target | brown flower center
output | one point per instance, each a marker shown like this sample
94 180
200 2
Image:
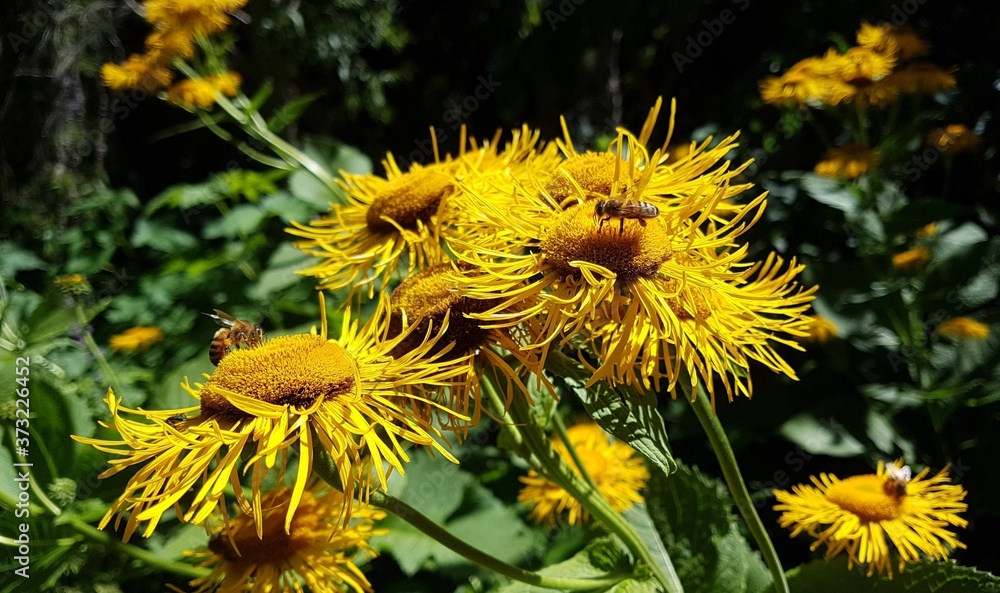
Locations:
289 370
594 172
409 199
425 298
577 234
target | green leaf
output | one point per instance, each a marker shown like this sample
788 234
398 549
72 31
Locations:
917 215
289 112
599 558
170 395
638 517
631 417
280 273
241 220
820 576
52 318
821 439
497 531
830 192
14 259
434 486
161 236
692 514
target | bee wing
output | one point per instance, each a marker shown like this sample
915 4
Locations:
222 318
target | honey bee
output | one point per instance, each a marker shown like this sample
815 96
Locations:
607 209
234 333
897 479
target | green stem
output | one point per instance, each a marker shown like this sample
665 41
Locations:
737 487
95 351
573 453
326 469
554 468
415 518
253 124
180 568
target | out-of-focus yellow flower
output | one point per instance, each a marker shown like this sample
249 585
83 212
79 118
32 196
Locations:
926 231
200 92
954 139
75 284
864 64
888 39
848 162
877 518
313 550
911 260
921 77
201 17
821 330
616 469
964 328
136 338
138 72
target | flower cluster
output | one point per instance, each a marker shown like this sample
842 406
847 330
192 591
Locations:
629 254
872 74
178 27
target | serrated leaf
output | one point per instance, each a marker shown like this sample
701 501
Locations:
820 576
631 417
289 112
692 515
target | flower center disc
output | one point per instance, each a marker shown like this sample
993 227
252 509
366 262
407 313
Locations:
865 497
577 235
426 297
593 171
276 545
289 370
408 199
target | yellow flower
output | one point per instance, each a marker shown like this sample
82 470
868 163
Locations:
813 81
653 298
200 92
300 393
888 39
315 551
911 260
865 64
614 467
171 43
430 299
199 17
401 216
138 72
849 162
821 330
965 328
876 518
75 284
926 231
954 139
136 338
921 77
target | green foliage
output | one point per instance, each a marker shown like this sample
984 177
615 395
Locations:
832 576
692 514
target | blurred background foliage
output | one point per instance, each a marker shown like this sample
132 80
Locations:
166 225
